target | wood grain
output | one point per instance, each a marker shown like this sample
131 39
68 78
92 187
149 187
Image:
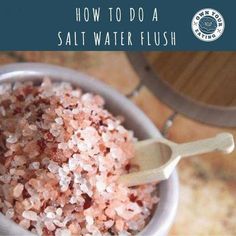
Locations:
208 77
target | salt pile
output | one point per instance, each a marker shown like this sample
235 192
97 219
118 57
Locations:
61 153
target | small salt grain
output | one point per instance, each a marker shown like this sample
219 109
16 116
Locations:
2 169
62 146
12 139
33 127
74 124
10 213
59 121
49 225
5 87
89 220
59 211
111 125
55 130
34 165
66 168
12 171
18 189
7 204
50 215
2 111
30 215
58 223
101 186
73 163
77 178
109 223
39 228
105 137
76 93
5 178
75 111
53 167
45 161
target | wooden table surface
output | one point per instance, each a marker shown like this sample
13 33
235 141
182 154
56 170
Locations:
207 183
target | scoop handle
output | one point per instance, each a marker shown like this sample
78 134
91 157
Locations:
223 142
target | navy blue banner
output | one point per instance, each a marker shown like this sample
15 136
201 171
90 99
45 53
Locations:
130 25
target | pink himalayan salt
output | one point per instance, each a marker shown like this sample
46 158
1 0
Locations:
63 155
17 191
30 215
120 225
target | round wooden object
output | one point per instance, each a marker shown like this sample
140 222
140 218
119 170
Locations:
201 85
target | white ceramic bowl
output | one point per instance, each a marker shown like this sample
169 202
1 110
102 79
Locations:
135 119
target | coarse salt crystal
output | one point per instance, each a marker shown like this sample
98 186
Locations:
55 130
105 137
109 223
5 87
59 211
73 163
5 178
34 165
33 127
39 228
111 125
17 191
12 139
50 226
30 215
53 167
62 146
10 213
49 209
86 167
58 223
45 161
101 186
75 111
73 200
74 124
50 215
59 121
62 173
66 168
3 169
64 183
89 220
8 204
77 178
2 111
84 188
76 93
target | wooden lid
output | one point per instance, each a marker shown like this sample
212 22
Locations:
201 85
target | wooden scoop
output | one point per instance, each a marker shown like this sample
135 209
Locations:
157 158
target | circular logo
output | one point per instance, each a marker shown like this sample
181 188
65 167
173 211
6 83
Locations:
208 24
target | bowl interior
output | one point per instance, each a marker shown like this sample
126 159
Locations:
135 120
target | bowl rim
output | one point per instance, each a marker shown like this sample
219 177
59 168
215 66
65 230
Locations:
163 216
